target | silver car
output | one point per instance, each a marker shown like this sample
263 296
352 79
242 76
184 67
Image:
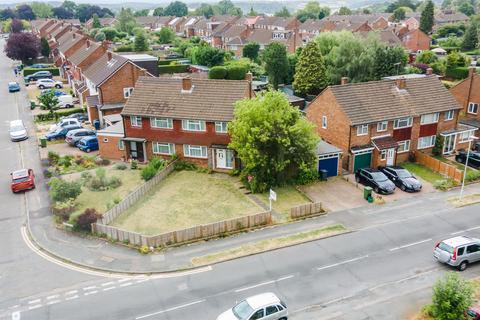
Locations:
458 252
17 130
74 136
265 306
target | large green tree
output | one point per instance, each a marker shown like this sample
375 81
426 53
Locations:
470 40
427 17
452 296
251 50
50 102
206 55
165 35
96 22
310 72
42 9
44 47
159 11
388 61
284 13
126 21
399 14
141 43
344 11
176 8
275 143
276 63
205 10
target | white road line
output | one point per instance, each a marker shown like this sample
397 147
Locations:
123 280
285 278
90 292
474 228
109 288
171 309
410 244
71 292
107 283
35 307
71 297
53 302
255 286
142 280
458 232
126 284
14 307
34 301
90 288
342 262
53 296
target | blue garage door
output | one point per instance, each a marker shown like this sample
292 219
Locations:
330 164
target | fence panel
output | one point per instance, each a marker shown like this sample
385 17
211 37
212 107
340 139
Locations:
438 166
306 210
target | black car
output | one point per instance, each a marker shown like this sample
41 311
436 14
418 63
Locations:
402 178
473 158
38 75
375 179
82 117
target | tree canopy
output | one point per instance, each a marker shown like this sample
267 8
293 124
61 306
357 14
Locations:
452 296
126 21
427 17
141 43
276 63
22 46
176 8
283 13
25 12
165 35
251 51
310 71
42 10
312 10
470 40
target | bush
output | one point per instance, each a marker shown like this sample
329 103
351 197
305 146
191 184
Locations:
148 173
218 72
134 164
144 249
306 175
63 209
236 72
53 157
65 161
58 114
444 184
85 220
100 182
166 62
185 165
61 190
157 163
121 166
472 175
452 296
181 68
125 48
457 73
54 71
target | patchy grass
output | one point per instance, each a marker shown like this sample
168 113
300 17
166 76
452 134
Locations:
466 201
186 199
269 244
423 172
287 197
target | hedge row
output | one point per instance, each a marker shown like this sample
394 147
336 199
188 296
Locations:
232 72
53 70
58 113
458 73
165 62
180 68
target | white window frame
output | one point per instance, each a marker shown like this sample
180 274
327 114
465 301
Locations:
324 122
465 136
135 122
432 142
429 118
221 127
127 92
121 145
383 155
472 108
156 148
396 123
405 144
382 126
362 130
161 123
187 123
449 115
187 151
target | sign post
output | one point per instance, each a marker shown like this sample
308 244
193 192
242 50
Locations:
273 196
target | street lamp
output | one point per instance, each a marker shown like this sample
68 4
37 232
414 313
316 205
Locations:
470 139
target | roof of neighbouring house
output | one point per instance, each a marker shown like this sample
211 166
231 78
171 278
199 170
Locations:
375 101
113 130
139 57
68 40
83 53
324 148
386 36
211 100
102 69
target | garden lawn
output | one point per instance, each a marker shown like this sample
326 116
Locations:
287 197
186 199
100 199
423 172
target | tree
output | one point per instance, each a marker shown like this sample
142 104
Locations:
96 21
275 143
44 47
126 21
42 9
85 220
251 50
292 63
85 12
61 190
141 43
217 72
426 57
141 13
324 12
426 19
252 13
110 33
344 11
310 72
276 63
470 40
311 11
7 14
399 14
100 36
62 13
25 12
165 35
388 61
158 12
284 13
466 8
16 26
224 7
207 55
176 8
205 10
452 296
22 46
50 102
401 3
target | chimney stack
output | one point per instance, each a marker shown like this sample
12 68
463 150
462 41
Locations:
429 71
344 80
109 55
401 83
186 84
88 43
249 78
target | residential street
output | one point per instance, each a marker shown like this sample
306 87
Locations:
383 270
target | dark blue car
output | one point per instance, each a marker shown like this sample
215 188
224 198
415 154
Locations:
56 92
13 87
61 132
88 144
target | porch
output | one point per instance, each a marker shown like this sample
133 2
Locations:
457 138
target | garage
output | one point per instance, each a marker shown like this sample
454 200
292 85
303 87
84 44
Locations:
328 158
362 158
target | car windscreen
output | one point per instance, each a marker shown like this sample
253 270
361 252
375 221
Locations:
378 176
242 310
403 174
17 128
22 179
445 247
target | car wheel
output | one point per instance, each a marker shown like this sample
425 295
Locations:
41 87
357 179
88 150
463 266
284 318
403 187
376 190
58 86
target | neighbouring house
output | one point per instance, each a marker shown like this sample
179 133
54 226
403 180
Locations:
148 22
104 22
412 20
445 18
467 93
415 41
110 142
376 21
68 44
312 28
388 37
404 116
145 61
183 116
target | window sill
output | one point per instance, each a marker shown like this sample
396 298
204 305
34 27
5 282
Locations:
404 151
193 157
425 147
163 154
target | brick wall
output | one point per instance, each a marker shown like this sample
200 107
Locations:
468 91
108 148
416 40
111 91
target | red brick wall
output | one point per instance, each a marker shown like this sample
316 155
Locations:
468 91
75 47
108 148
111 91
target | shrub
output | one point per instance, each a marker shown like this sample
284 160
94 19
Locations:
61 190
65 161
458 73
134 164
85 220
121 166
444 184
58 114
452 296
236 72
100 182
86 175
148 172
306 174
53 157
185 165
218 72
125 48
472 175
54 71
157 163
63 209
144 249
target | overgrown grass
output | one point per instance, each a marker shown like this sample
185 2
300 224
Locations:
287 197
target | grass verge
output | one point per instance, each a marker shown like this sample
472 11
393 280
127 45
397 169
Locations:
466 201
269 244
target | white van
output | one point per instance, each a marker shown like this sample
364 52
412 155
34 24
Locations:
17 130
65 101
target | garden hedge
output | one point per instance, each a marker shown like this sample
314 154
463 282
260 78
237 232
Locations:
166 62
60 113
53 70
179 68
217 72
236 72
458 73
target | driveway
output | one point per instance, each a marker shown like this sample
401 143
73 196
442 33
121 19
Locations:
336 194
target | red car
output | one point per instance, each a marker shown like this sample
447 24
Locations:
474 312
22 179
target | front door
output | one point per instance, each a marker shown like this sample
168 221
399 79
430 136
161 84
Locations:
390 157
449 144
136 151
224 158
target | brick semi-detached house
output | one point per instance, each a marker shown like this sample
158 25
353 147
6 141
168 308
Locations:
381 122
467 94
182 116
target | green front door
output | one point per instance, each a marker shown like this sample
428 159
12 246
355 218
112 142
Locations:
362 161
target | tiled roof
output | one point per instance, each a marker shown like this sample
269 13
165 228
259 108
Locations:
230 32
83 52
386 36
384 143
274 21
359 18
102 69
450 17
340 26
93 100
146 20
60 29
67 40
52 27
375 101
210 100
313 25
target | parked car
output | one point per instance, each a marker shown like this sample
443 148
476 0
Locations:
57 93
61 132
173 56
23 179
40 66
49 83
473 312
17 130
458 252
66 101
81 117
375 179
38 75
13 87
402 178
64 122
473 158
88 144
262 306
74 136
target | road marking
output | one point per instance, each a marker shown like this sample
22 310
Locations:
474 228
126 284
53 297
141 280
35 307
342 262
89 288
107 283
109 288
14 307
71 297
410 244
34 301
264 283
286 277
171 309
458 232
123 280
53 302
90 292
71 292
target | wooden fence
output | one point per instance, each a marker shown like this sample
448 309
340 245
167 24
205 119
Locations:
135 195
195 233
436 165
305 210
